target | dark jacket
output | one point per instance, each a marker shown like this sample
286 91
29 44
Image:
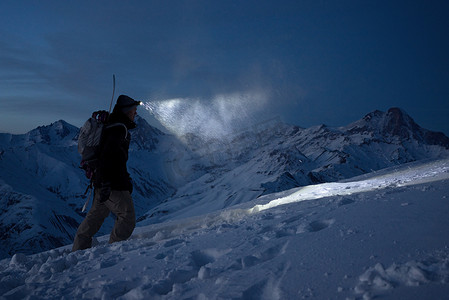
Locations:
111 170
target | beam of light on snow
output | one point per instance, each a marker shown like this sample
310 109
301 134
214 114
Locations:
433 171
213 119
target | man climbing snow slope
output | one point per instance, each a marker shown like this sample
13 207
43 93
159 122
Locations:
112 183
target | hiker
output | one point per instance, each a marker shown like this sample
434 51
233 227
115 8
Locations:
112 183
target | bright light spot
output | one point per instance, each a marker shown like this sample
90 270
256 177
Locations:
213 119
422 174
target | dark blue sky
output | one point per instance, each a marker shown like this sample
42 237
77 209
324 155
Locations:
315 62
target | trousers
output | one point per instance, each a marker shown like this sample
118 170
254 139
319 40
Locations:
121 205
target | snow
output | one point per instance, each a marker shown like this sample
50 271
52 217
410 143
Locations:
384 234
176 177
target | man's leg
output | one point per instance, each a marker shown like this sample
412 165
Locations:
91 224
121 204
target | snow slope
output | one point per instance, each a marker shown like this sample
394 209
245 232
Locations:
181 176
381 234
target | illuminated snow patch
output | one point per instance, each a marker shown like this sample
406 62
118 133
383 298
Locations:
415 175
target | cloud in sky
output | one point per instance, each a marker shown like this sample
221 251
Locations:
321 61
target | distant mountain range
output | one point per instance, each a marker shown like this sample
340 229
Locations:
42 188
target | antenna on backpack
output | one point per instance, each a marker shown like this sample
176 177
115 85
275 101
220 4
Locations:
113 91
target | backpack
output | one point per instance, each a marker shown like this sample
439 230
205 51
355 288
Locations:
89 145
89 141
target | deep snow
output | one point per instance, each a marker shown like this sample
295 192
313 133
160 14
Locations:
383 234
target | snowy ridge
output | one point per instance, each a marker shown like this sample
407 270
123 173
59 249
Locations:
431 172
386 237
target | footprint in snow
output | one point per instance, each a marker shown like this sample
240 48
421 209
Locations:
345 201
195 268
315 226
258 258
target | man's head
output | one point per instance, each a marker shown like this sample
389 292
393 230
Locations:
127 105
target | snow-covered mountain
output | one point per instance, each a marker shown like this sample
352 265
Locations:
42 189
382 235
272 156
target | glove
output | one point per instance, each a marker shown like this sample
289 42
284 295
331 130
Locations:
105 192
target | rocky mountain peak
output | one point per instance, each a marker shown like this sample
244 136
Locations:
55 133
145 136
398 123
393 123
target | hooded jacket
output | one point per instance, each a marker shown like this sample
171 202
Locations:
112 171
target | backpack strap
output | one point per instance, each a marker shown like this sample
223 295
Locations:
119 124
